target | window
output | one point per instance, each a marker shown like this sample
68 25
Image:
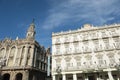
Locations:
108 33
11 56
87 49
113 32
106 42
66 39
112 43
93 34
99 34
116 43
57 40
78 63
58 64
111 59
80 36
58 49
2 51
101 44
75 38
104 33
100 61
67 48
76 48
96 44
68 64
85 36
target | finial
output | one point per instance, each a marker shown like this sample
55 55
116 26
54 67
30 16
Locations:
17 38
32 24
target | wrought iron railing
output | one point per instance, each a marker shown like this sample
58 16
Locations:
90 68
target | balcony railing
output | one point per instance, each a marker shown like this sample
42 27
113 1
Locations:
90 68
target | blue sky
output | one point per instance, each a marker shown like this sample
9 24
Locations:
54 16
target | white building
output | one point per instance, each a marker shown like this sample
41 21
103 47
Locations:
89 53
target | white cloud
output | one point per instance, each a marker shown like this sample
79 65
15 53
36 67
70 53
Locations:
70 11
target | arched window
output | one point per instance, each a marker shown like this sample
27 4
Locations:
28 55
23 52
22 55
6 76
2 51
19 76
11 56
29 52
12 52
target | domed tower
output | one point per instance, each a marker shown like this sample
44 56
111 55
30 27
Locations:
31 31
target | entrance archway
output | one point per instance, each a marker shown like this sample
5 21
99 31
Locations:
6 76
19 76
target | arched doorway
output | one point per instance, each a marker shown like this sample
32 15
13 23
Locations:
6 76
19 76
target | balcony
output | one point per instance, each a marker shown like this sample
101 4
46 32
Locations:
89 68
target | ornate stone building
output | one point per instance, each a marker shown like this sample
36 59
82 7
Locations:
89 53
23 59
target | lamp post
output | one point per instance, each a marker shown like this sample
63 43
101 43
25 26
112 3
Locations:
58 70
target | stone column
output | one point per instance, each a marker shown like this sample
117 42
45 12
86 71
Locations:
63 76
35 55
86 77
25 75
118 75
53 76
118 79
12 75
74 76
14 62
8 57
31 56
19 63
110 75
25 55
97 76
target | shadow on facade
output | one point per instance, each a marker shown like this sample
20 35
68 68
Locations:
6 76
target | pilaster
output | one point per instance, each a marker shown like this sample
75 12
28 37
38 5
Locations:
25 55
63 76
31 56
110 75
35 56
20 56
53 76
14 63
74 76
25 75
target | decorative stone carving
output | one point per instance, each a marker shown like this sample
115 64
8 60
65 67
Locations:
88 57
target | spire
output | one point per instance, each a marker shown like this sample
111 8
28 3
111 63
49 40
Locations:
31 31
32 26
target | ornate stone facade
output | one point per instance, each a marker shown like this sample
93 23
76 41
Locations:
23 59
89 53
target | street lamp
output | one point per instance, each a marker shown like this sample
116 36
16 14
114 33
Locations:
58 70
